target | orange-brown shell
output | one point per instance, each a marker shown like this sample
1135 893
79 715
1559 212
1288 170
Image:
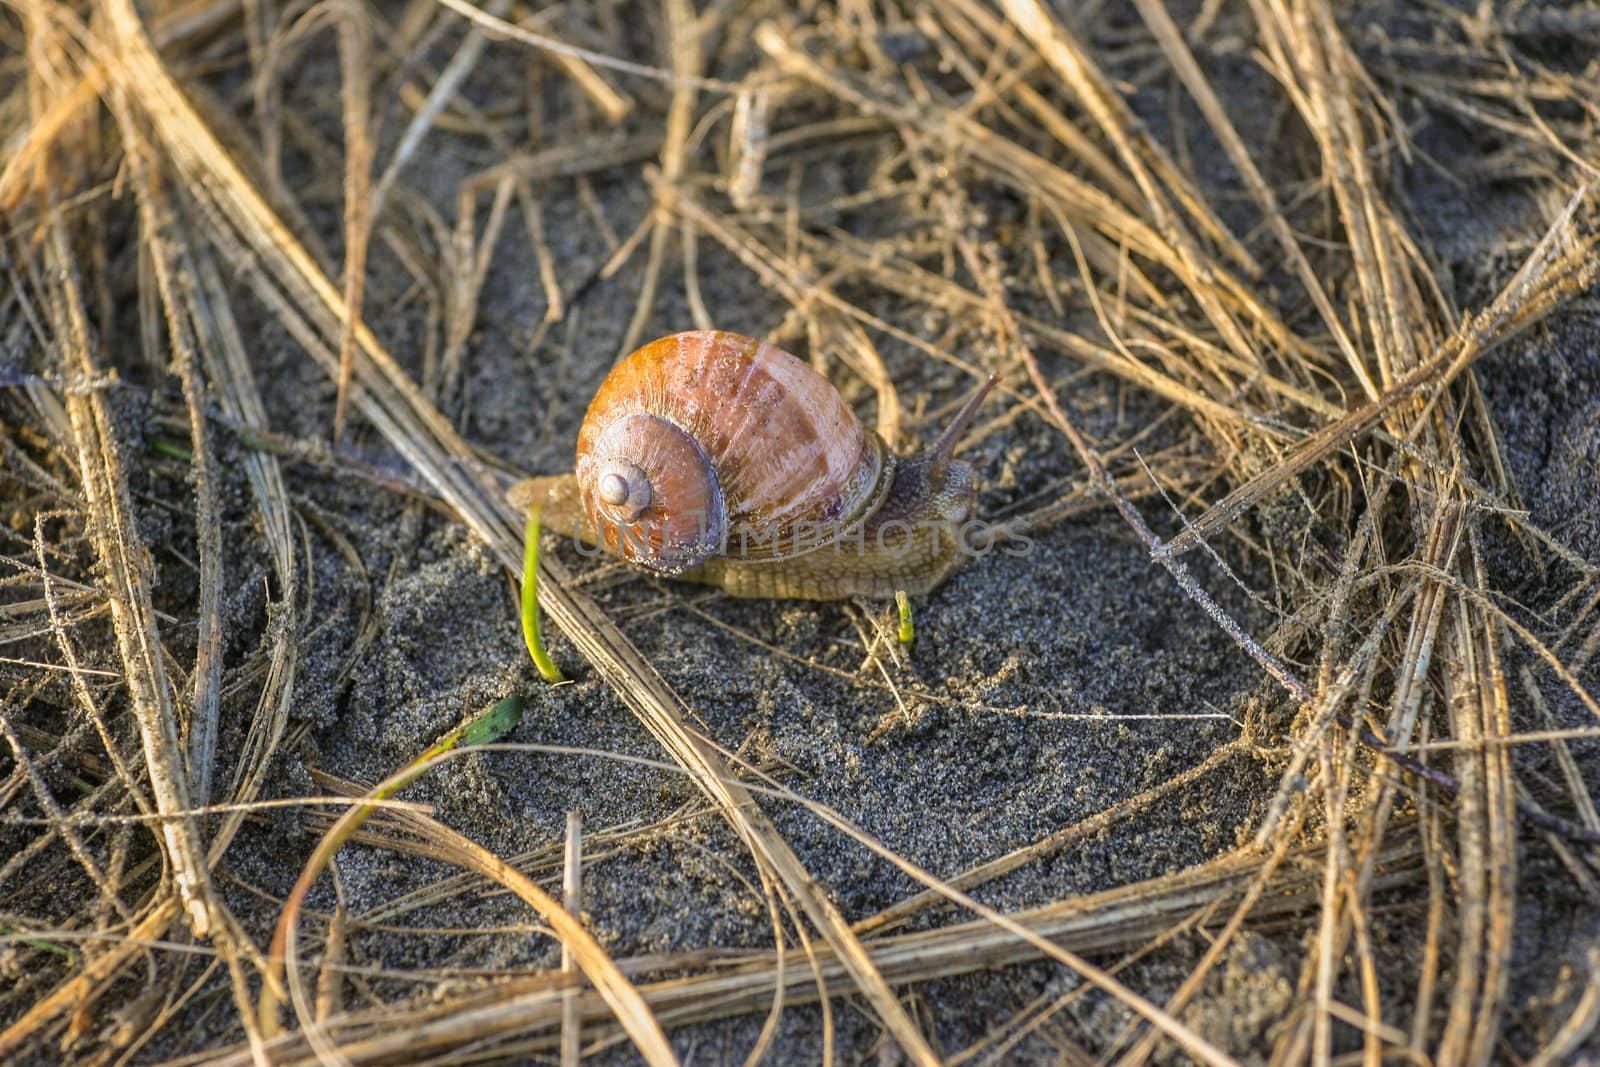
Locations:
747 452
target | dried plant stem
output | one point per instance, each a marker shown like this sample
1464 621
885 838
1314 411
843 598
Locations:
683 46
127 566
355 41
501 30
444 88
1139 154
572 900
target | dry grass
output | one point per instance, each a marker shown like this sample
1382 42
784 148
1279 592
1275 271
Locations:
1321 355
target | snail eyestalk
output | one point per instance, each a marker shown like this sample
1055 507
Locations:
945 447
908 631
530 603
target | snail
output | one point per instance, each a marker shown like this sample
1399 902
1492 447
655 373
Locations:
723 459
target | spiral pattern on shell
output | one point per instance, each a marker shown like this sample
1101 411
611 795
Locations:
708 442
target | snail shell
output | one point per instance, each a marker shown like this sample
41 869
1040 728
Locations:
708 443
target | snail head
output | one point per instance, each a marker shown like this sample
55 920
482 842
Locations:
934 485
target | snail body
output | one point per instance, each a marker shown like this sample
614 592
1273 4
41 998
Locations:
719 458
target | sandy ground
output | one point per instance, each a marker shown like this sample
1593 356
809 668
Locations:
1043 688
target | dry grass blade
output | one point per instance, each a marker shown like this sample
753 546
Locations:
176 283
1579 1025
1139 155
499 29
355 44
683 46
127 564
1177 51
1562 264
77 990
572 900
229 369
449 81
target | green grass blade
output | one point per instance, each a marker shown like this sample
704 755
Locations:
530 603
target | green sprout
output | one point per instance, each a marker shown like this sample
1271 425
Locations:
171 449
530 603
